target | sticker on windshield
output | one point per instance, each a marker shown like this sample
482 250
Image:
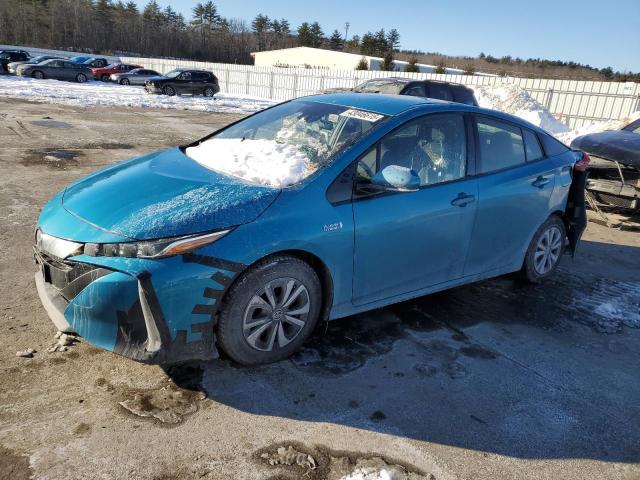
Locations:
361 115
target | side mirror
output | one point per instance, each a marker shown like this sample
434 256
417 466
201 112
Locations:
393 178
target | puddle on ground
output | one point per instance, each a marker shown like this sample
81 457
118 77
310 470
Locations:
293 460
56 159
48 123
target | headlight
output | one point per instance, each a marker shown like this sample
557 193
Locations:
164 247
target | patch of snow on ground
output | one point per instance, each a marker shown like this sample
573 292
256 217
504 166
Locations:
369 474
111 94
596 127
510 98
266 162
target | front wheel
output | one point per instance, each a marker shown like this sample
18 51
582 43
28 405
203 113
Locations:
209 92
124 81
544 252
169 91
38 75
270 311
81 78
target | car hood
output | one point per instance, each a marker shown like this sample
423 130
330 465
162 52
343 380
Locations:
617 145
164 194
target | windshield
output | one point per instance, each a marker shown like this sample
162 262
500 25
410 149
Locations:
284 144
383 86
173 73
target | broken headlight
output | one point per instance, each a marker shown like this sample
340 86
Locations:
163 247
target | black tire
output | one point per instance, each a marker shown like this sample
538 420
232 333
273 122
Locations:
81 78
104 78
169 91
531 271
124 81
209 92
234 337
37 74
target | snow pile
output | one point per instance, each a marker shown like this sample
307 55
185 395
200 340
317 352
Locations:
110 94
266 162
510 98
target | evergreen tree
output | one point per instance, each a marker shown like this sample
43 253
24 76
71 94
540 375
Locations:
412 66
317 35
387 64
335 41
393 39
362 64
305 39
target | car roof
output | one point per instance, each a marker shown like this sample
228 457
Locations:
396 104
411 80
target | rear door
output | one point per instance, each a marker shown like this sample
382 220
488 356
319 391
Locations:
407 241
515 184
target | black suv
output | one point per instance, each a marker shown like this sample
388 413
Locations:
184 80
8 56
452 92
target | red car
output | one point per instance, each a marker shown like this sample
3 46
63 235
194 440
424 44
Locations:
105 72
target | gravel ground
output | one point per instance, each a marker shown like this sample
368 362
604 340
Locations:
492 380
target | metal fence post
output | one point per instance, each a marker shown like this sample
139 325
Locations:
271 86
547 103
226 80
295 85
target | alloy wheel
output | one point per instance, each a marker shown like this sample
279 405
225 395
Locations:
81 78
125 81
548 250
276 314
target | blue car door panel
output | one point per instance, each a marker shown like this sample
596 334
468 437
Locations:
514 197
406 241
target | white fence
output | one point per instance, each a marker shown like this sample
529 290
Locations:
573 102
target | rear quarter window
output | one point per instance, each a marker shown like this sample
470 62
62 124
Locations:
552 146
532 146
463 95
439 92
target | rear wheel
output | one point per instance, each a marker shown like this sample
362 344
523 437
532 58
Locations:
104 78
544 252
209 92
81 78
38 74
270 311
124 81
169 91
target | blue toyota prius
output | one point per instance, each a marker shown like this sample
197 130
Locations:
314 209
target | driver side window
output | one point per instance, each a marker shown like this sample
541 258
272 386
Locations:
434 147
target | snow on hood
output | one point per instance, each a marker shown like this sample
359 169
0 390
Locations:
265 162
510 98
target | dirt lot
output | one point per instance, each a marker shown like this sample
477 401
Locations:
494 380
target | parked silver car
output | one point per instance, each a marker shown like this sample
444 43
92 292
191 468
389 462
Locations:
136 76
13 66
56 69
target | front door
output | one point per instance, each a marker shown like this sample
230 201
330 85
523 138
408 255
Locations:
406 241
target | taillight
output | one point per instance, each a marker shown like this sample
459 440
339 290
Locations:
582 164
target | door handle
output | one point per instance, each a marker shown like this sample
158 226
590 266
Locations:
540 182
462 200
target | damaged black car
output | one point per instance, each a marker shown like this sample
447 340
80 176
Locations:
614 171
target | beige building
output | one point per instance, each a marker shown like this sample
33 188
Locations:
307 57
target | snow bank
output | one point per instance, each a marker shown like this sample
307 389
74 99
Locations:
368 474
510 98
598 127
100 93
266 162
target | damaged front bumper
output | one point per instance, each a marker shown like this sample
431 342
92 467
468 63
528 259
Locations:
149 311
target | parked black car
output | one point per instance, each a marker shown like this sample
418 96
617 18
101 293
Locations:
13 66
56 69
614 170
8 56
184 80
452 92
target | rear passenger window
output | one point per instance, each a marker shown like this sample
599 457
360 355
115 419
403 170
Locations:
463 95
501 145
440 92
532 146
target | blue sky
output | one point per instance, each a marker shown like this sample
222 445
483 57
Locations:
599 33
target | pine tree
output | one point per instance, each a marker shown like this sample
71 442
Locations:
335 41
469 69
387 64
393 39
305 39
412 66
440 68
362 64
317 35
